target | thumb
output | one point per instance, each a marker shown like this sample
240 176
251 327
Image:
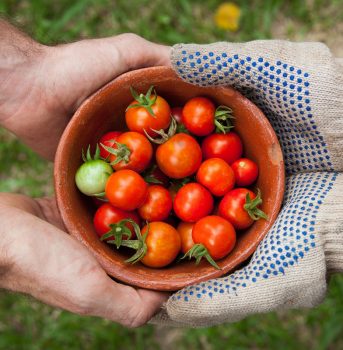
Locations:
87 65
137 52
106 58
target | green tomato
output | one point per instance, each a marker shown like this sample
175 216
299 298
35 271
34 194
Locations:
91 177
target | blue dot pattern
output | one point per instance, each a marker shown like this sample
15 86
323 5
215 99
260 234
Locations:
281 90
290 239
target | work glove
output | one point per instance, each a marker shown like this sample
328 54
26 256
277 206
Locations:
299 87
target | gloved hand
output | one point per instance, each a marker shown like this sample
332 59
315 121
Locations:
299 86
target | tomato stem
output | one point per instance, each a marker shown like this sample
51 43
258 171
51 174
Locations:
146 101
88 156
198 251
164 136
119 229
149 176
121 152
251 207
222 119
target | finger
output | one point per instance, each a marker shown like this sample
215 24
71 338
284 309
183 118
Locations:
126 305
99 61
137 52
56 269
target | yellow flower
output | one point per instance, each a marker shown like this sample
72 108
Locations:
227 16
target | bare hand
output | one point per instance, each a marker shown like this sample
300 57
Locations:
40 90
39 259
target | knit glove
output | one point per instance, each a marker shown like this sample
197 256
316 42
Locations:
299 86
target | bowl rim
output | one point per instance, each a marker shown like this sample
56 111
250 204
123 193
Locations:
122 276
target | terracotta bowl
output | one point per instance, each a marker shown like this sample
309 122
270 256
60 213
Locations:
103 112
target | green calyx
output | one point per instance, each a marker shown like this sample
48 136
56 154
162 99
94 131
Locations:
149 176
151 179
181 129
119 230
163 136
198 251
223 119
88 157
251 207
177 184
146 101
121 152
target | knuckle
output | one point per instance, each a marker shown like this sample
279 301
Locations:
129 37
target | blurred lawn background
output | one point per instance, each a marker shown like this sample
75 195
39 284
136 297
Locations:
30 325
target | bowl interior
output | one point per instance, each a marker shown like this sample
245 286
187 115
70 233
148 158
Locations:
103 112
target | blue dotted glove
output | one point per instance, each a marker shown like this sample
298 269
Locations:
300 89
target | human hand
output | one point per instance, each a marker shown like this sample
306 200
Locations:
300 89
41 86
39 259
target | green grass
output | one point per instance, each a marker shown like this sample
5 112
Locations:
28 324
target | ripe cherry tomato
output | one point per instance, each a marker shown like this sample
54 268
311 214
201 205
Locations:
157 205
163 243
125 189
216 234
108 214
216 175
148 112
179 157
192 202
198 116
133 151
232 208
245 170
225 146
108 140
185 232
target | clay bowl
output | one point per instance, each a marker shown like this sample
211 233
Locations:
103 112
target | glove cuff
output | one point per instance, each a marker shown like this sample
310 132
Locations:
330 226
333 247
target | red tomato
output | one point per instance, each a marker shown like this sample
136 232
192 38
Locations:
231 208
134 152
108 214
245 170
216 175
127 190
225 146
157 205
163 243
198 116
108 140
185 231
139 118
179 157
216 234
192 202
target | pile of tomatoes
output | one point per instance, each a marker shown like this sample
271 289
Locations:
181 172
